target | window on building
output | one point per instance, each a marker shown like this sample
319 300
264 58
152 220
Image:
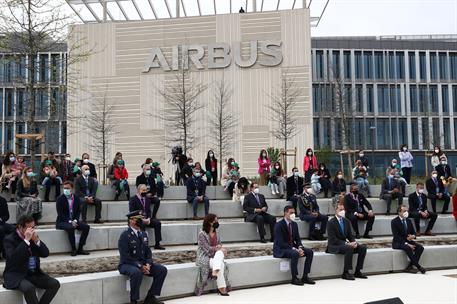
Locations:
41 104
412 66
433 90
395 99
379 65
414 133
402 133
384 134
21 104
447 133
9 136
391 66
44 68
8 69
20 129
359 98
433 66
454 100
445 98
9 104
422 66
55 67
370 99
453 65
316 98
316 130
368 65
358 65
336 64
413 98
327 131
423 99
359 134
63 138
443 66
370 135
395 129
437 134
400 66
1 107
383 99
347 65
348 97
427 138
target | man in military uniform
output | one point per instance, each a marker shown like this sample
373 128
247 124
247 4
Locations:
309 212
136 260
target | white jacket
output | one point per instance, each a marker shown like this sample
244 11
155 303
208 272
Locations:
406 159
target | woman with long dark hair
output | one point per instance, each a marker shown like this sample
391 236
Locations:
309 164
28 201
10 174
210 257
436 156
277 181
264 167
211 167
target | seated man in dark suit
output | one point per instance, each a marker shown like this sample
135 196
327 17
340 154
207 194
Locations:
294 187
23 250
256 209
443 169
68 211
136 260
355 204
142 203
404 235
196 189
341 241
5 228
390 190
436 191
288 245
86 189
417 202
309 212
148 179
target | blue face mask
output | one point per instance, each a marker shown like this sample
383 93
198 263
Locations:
67 192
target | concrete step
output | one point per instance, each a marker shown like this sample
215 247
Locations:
102 237
110 287
107 193
181 209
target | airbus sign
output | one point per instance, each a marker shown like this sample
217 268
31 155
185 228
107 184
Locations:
219 56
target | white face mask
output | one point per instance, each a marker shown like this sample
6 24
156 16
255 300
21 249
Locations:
434 175
264 154
211 155
405 149
405 214
86 160
68 158
277 167
436 151
421 191
443 162
12 158
340 176
310 153
322 168
296 173
292 217
361 154
309 190
197 174
341 213
394 164
87 172
256 190
148 172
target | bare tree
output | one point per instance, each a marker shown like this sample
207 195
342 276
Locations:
32 29
101 127
223 121
282 111
181 102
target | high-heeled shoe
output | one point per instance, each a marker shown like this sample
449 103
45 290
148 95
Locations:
226 294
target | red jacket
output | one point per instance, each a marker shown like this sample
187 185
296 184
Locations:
264 166
454 206
120 174
306 163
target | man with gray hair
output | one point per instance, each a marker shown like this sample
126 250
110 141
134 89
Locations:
196 189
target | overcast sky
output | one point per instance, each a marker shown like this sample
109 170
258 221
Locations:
341 18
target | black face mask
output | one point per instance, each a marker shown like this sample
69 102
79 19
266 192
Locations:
140 224
143 194
216 225
355 192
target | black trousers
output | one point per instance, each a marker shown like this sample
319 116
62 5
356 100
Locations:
388 197
413 255
326 185
157 226
155 202
5 229
294 200
355 220
407 174
294 256
433 198
432 216
84 228
42 281
51 182
213 178
348 252
312 223
98 208
264 218
157 272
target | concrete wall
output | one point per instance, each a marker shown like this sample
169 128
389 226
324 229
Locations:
114 72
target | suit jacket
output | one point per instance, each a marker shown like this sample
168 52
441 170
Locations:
281 242
413 202
335 235
81 187
149 181
4 212
443 170
385 188
134 250
294 188
17 259
195 187
351 204
63 209
307 203
432 188
250 204
135 204
93 171
186 171
399 233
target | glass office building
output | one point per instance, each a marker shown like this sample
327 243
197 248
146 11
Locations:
50 101
395 90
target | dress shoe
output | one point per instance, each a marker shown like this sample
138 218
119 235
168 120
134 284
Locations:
367 236
297 282
74 252
98 221
195 218
83 252
360 275
388 213
429 233
418 233
272 240
410 269
357 236
422 269
226 294
150 299
347 276
158 247
312 238
307 280
263 241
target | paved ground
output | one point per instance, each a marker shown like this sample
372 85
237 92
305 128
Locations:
434 287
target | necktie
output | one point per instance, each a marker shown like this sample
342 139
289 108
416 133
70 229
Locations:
342 226
390 184
290 234
257 199
296 185
405 226
420 201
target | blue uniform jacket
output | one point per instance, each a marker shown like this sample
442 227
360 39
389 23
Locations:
133 250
